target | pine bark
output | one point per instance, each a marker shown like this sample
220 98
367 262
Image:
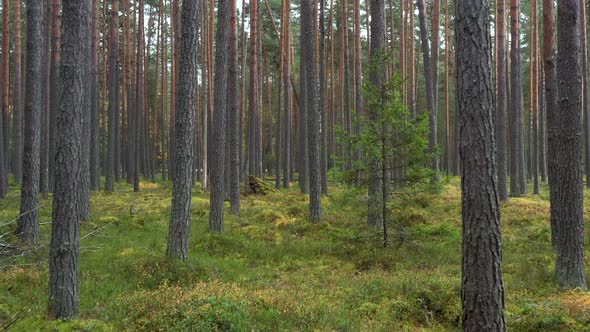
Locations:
28 222
377 78
585 94
482 292
139 99
180 218
569 210
6 86
551 107
501 101
254 111
17 124
534 99
94 104
65 237
287 147
218 138
429 69
233 112
517 153
113 95
313 117
322 100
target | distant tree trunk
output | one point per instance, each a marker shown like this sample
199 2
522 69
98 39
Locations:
358 71
84 197
279 123
429 69
322 102
501 101
180 218
413 96
65 237
6 86
517 153
129 93
482 290
139 94
253 97
164 91
28 222
94 105
313 118
219 120
173 85
569 210
54 88
233 140
377 78
17 124
113 94
448 134
551 108
44 162
303 165
344 79
287 147
534 97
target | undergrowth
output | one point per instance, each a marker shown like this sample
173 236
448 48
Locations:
273 270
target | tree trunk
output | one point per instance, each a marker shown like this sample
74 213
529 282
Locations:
17 124
139 105
551 108
94 105
219 120
28 222
65 237
482 292
501 101
313 117
517 153
233 139
322 100
429 69
377 78
534 98
287 147
569 210
113 94
180 218
6 86
253 97
586 95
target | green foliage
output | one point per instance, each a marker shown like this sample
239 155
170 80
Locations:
388 134
273 270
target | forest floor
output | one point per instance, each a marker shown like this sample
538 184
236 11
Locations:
273 270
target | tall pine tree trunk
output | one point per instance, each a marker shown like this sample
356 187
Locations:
113 94
569 210
178 235
65 233
17 121
501 101
517 153
28 222
482 291
219 120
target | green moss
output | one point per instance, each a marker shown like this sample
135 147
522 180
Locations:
273 270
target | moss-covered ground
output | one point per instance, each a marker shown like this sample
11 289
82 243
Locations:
272 270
